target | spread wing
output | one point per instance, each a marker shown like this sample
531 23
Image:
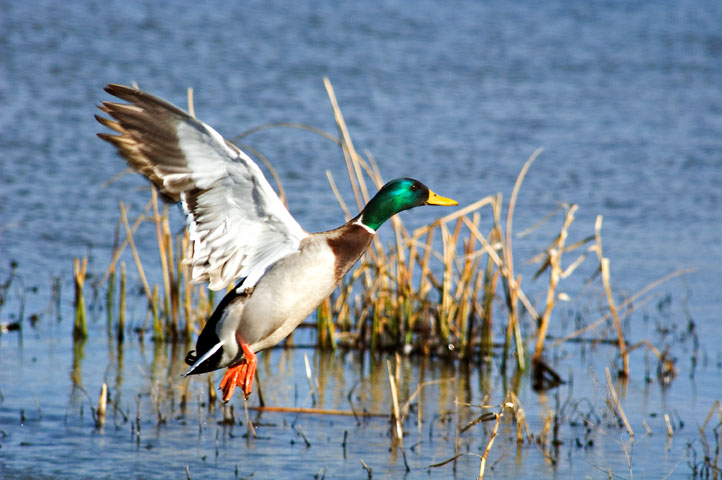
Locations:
237 224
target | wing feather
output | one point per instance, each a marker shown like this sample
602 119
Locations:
237 224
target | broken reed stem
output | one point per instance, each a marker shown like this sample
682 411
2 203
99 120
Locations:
157 327
555 253
80 329
712 462
250 429
604 265
494 431
520 417
369 472
716 406
102 406
670 430
398 430
121 304
616 405
617 324
299 430
646 427
109 301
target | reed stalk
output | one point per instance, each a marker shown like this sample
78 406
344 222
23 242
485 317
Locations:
158 334
162 251
615 405
212 396
604 266
109 299
119 249
80 329
173 275
121 304
492 437
102 406
396 415
187 289
555 252
136 257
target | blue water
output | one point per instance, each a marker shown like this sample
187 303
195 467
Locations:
624 98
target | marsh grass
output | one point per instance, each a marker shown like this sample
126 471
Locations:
711 443
445 288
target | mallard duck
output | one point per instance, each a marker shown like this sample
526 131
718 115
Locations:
241 231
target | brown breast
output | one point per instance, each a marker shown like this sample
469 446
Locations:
348 243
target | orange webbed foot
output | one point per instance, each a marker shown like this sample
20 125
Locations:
250 372
240 375
230 380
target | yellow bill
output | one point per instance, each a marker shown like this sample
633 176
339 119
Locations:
435 199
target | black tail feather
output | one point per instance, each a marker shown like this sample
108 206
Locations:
208 339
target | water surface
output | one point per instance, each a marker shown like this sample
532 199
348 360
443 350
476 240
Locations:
624 99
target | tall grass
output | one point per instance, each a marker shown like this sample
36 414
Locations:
433 290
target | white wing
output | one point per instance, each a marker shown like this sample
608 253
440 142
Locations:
237 223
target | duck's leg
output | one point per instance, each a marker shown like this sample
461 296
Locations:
247 384
230 380
240 375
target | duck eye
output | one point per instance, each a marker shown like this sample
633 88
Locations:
414 186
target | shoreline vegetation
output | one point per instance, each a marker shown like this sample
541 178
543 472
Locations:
447 289
442 289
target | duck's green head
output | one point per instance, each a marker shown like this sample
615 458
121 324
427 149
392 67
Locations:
396 196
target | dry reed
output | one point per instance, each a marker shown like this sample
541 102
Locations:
615 406
80 329
102 406
432 290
